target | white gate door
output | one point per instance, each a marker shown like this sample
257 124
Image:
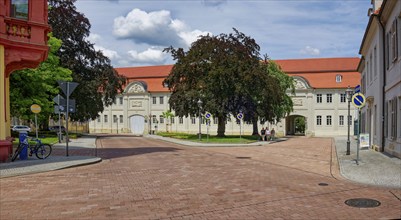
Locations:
137 124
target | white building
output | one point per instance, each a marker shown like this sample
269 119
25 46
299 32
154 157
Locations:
320 100
380 68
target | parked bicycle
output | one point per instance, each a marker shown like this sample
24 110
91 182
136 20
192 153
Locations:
41 150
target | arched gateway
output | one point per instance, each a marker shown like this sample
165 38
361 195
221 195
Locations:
137 123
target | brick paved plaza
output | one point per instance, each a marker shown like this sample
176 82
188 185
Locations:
141 178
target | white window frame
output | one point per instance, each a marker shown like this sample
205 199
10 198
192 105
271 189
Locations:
318 120
319 98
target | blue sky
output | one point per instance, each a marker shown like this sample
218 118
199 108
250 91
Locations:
134 32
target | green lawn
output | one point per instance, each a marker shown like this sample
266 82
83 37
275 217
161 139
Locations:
228 139
46 137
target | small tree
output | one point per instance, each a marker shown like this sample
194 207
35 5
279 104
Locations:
168 115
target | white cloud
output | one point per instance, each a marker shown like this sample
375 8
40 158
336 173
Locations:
308 50
150 55
94 38
154 28
111 54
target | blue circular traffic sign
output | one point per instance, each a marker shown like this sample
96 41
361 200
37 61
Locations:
240 116
208 115
358 100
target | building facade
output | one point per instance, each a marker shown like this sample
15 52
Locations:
23 44
319 100
380 69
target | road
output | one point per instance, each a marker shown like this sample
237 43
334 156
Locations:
141 178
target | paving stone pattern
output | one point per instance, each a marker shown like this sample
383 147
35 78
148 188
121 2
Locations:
141 178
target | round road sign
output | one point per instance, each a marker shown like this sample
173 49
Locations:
36 108
358 100
240 116
208 115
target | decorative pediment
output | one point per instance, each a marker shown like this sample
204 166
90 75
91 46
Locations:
136 87
300 83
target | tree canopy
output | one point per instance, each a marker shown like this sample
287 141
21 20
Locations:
226 74
38 86
98 82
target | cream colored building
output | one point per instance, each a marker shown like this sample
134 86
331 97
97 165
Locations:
319 99
380 68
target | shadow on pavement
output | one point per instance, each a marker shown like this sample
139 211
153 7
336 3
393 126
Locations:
110 153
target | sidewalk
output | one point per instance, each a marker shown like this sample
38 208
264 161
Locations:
56 161
374 168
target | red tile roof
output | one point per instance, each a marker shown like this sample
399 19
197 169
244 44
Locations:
319 72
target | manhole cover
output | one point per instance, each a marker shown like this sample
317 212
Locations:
323 184
362 203
243 157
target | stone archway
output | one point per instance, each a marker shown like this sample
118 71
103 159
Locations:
296 125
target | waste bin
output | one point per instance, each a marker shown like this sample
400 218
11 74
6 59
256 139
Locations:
23 138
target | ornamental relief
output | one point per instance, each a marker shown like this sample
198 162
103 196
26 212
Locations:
297 102
136 88
136 104
299 84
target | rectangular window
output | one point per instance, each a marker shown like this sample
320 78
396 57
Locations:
341 120
106 119
350 120
319 98
328 120
343 98
121 118
154 100
399 116
193 120
98 119
370 68
375 62
319 120
161 119
329 98
393 116
215 120
154 119
172 119
161 100
115 119
393 41
121 100
339 78
181 120
19 9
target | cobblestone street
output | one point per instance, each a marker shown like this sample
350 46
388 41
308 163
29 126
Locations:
141 178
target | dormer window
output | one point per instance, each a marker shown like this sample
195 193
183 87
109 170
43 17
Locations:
19 9
339 78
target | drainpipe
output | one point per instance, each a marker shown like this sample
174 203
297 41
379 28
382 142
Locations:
384 79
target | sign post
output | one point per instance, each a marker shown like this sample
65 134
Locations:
359 101
36 109
67 88
207 116
239 117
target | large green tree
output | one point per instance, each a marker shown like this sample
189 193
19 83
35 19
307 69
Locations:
98 82
38 86
225 73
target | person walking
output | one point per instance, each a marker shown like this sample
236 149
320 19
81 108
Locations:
263 133
267 134
272 134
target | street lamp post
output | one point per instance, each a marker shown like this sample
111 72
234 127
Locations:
348 93
200 119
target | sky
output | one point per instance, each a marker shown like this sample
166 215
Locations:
135 32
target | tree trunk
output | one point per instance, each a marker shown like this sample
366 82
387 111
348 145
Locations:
221 128
255 126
